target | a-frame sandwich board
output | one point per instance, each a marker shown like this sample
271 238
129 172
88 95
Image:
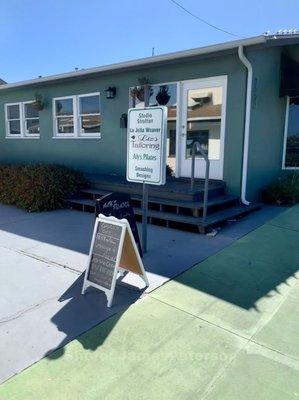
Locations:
113 250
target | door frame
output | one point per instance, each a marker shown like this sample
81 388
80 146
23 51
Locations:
179 91
218 79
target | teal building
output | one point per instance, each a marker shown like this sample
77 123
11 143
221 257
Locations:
239 99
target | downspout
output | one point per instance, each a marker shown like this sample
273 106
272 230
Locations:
248 66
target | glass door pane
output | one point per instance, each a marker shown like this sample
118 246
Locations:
204 108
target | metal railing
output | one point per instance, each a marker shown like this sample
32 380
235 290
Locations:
197 147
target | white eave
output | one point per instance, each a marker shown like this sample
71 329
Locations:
148 61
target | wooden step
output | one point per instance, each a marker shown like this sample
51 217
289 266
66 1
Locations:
211 220
94 194
176 220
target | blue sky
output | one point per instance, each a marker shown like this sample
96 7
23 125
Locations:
39 37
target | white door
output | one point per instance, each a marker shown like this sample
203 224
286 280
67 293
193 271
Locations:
202 120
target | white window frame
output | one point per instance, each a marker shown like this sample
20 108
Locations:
26 134
77 134
286 126
55 117
23 134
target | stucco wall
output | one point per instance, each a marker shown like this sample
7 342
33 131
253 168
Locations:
108 154
267 121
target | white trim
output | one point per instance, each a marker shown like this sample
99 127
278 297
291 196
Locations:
77 137
23 134
202 83
76 118
248 65
55 117
93 134
177 127
13 137
286 126
26 134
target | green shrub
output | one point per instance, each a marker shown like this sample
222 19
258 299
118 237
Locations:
284 191
38 187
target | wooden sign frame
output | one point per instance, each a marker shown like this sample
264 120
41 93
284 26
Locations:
127 259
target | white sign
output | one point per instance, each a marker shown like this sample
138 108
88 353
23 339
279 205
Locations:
146 145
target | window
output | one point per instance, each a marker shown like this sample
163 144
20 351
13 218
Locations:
291 139
164 94
64 114
77 116
22 120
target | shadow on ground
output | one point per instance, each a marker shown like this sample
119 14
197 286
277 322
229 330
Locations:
83 307
256 268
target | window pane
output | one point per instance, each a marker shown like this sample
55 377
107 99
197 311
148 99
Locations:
292 146
171 138
165 95
30 111
14 127
13 111
91 124
89 104
64 107
65 125
203 103
32 126
207 133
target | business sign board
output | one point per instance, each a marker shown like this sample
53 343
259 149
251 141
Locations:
146 145
113 250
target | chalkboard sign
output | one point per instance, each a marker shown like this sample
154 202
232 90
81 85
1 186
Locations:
119 206
113 250
104 254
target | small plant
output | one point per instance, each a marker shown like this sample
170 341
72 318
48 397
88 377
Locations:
38 103
138 91
284 191
38 187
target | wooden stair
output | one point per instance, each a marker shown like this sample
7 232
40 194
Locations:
172 205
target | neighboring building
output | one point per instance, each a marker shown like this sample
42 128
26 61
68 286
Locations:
240 99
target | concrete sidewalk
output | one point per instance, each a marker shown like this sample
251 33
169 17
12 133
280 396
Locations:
226 329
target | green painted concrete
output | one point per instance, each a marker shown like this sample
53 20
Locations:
227 329
258 374
108 155
289 219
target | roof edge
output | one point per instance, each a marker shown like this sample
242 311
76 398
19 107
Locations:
261 39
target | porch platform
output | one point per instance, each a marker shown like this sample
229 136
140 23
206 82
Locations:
173 205
174 188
